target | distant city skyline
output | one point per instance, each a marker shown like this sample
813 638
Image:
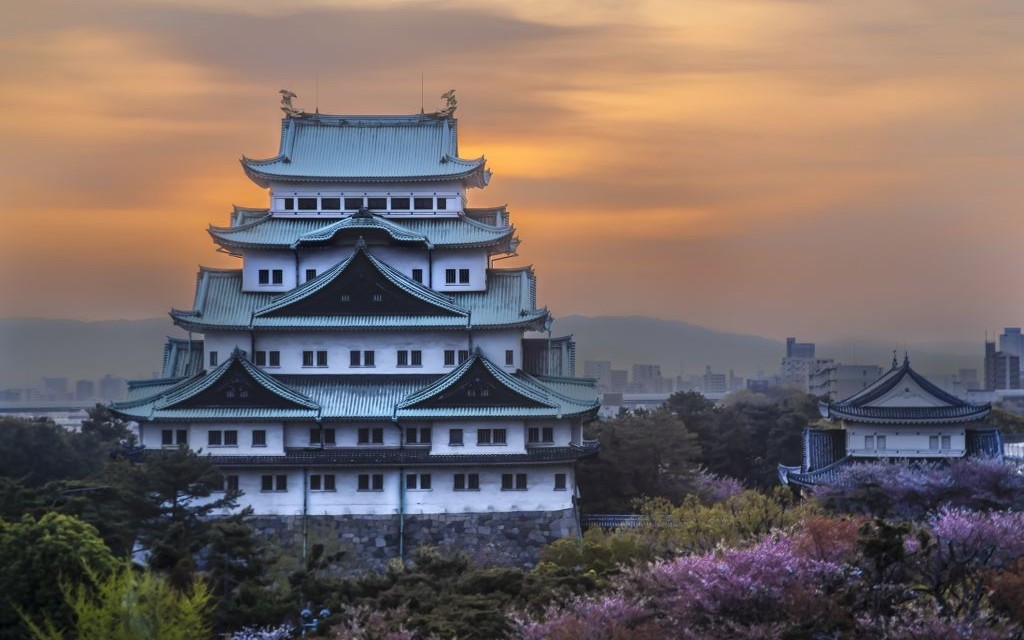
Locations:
830 170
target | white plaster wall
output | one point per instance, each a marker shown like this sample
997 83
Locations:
198 438
516 437
473 259
562 432
540 494
259 259
338 344
493 344
403 259
905 442
453 191
346 434
223 342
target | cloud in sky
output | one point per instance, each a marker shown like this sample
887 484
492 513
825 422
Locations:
829 169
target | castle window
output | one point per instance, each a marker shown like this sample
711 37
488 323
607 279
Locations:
449 357
423 435
289 204
353 203
275 359
419 481
307 204
371 482
412 358
307 358
869 442
491 436
330 204
442 203
513 482
324 482
400 204
455 437
560 482
466 482
277 276
219 438
881 443
310 274
370 435
259 437
321 358
213 358
417 275
947 443
232 483
537 435
273 483
174 438
264 276
378 297
933 443
377 203
345 297
463 276
423 204
463 355
259 358
360 358
321 436
510 357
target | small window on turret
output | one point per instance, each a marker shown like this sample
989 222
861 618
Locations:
377 203
353 203
307 204
442 203
423 204
330 204
399 204
289 204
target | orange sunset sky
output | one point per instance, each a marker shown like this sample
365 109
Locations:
816 168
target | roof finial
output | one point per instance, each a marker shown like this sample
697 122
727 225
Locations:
895 362
451 104
286 104
906 358
360 243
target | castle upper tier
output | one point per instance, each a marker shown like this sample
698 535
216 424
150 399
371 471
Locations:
368 357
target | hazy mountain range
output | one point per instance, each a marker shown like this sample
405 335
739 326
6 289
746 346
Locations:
33 348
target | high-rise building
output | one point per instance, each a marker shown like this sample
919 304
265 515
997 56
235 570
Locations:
366 364
85 390
1012 342
837 381
1002 369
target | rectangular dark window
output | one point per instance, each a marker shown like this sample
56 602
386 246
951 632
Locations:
933 443
214 438
377 204
231 438
314 436
377 435
277 276
329 483
559 482
442 203
232 484
466 482
513 482
881 442
182 437
510 357
417 481
329 436
219 484
368 435
289 204
314 482
321 358
463 276
167 438
416 358
449 357
281 483
455 437
259 358
491 436
500 436
307 358
422 435
355 358
330 204
401 204
371 482
264 276
532 435
417 275
547 434
266 483
450 276
353 203
367 358
310 274
463 355
259 437
947 443
213 358
307 204
275 359
423 204
403 358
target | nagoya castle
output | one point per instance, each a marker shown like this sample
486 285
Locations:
369 378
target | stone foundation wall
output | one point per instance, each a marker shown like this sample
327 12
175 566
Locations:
355 544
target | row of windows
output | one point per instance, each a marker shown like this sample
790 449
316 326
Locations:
375 482
276 276
374 203
363 358
413 435
935 443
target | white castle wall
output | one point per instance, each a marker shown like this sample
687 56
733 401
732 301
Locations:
905 442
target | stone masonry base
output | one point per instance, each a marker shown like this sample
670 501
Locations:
367 543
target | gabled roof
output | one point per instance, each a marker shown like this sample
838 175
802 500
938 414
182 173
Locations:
360 286
479 388
235 389
336 148
270 232
221 304
903 396
182 358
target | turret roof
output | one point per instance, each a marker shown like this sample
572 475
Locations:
339 148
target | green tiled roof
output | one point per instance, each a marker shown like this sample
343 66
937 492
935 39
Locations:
353 397
220 303
329 148
268 232
182 358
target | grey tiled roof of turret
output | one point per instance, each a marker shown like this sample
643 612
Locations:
337 148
